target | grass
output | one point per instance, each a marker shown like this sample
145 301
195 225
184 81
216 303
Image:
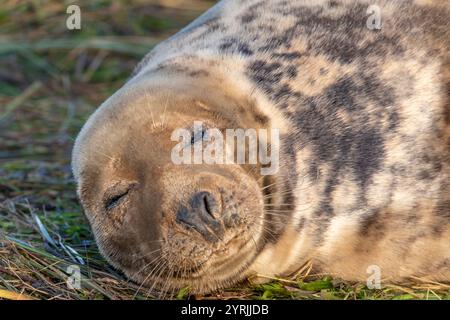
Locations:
51 79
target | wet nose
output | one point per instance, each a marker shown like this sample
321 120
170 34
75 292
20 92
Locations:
202 216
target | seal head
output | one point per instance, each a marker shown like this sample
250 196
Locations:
166 225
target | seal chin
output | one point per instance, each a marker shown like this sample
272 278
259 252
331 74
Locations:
222 269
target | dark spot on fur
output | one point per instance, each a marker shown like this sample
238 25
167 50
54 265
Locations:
266 74
342 93
244 49
364 86
432 159
287 56
424 175
333 4
371 225
320 225
291 71
248 17
250 13
234 45
443 209
284 90
413 217
260 118
369 154
197 73
226 45
301 224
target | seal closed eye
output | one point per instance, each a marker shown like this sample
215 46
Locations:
198 136
116 195
114 200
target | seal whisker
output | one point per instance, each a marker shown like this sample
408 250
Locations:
283 223
151 274
157 262
84 156
149 253
149 109
147 264
164 291
278 204
262 224
177 276
279 211
160 273
294 219
164 113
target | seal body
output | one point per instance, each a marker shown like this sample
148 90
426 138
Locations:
364 116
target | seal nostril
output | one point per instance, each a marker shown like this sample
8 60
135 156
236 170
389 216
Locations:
209 204
200 217
204 201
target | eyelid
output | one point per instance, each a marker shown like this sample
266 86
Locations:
118 190
199 135
115 200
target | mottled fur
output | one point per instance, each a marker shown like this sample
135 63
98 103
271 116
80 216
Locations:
365 119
